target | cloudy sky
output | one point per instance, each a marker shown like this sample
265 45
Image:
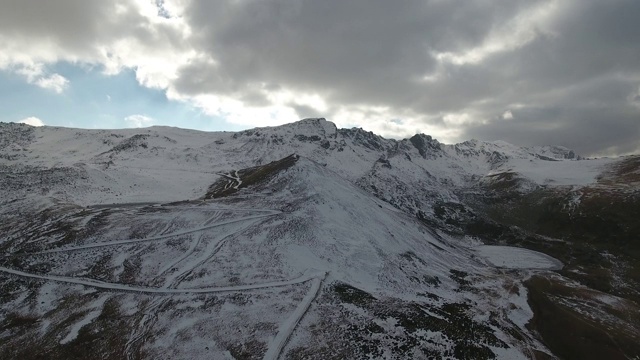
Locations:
530 72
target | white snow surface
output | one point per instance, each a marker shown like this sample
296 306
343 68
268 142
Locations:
251 266
163 164
96 309
560 172
510 257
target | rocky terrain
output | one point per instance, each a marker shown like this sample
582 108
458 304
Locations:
306 241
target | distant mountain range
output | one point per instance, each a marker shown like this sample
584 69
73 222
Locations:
306 241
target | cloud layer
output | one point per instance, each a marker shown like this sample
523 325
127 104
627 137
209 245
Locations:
528 72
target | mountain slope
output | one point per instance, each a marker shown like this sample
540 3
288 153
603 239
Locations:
305 220
227 245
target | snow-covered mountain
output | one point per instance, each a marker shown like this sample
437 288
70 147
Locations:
142 164
306 241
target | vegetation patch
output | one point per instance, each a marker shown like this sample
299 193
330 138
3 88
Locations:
104 338
383 327
251 350
592 230
249 176
625 172
563 321
460 277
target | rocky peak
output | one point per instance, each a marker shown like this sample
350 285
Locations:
316 128
554 153
366 139
426 145
16 136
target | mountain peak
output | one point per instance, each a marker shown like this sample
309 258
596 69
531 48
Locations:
315 123
555 152
319 120
425 144
303 232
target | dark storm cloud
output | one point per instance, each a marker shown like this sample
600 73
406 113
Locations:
305 111
577 87
573 83
356 51
77 22
592 130
79 30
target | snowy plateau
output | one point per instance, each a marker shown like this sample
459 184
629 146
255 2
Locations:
306 241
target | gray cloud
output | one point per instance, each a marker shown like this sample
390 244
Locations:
76 27
90 32
351 51
576 87
567 71
576 74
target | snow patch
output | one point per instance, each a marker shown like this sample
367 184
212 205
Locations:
517 258
559 173
97 306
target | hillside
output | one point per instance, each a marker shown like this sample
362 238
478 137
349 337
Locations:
306 241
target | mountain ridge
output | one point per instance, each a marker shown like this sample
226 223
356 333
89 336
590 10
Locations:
319 126
311 241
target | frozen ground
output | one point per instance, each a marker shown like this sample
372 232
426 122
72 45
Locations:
255 270
332 258
559 172
162 164
517 258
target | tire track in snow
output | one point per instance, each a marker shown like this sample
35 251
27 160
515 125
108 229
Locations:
140 332
175 279
270 211
235 177
146 322
192 247
162 291
153 238
287 327
238 180
149 319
